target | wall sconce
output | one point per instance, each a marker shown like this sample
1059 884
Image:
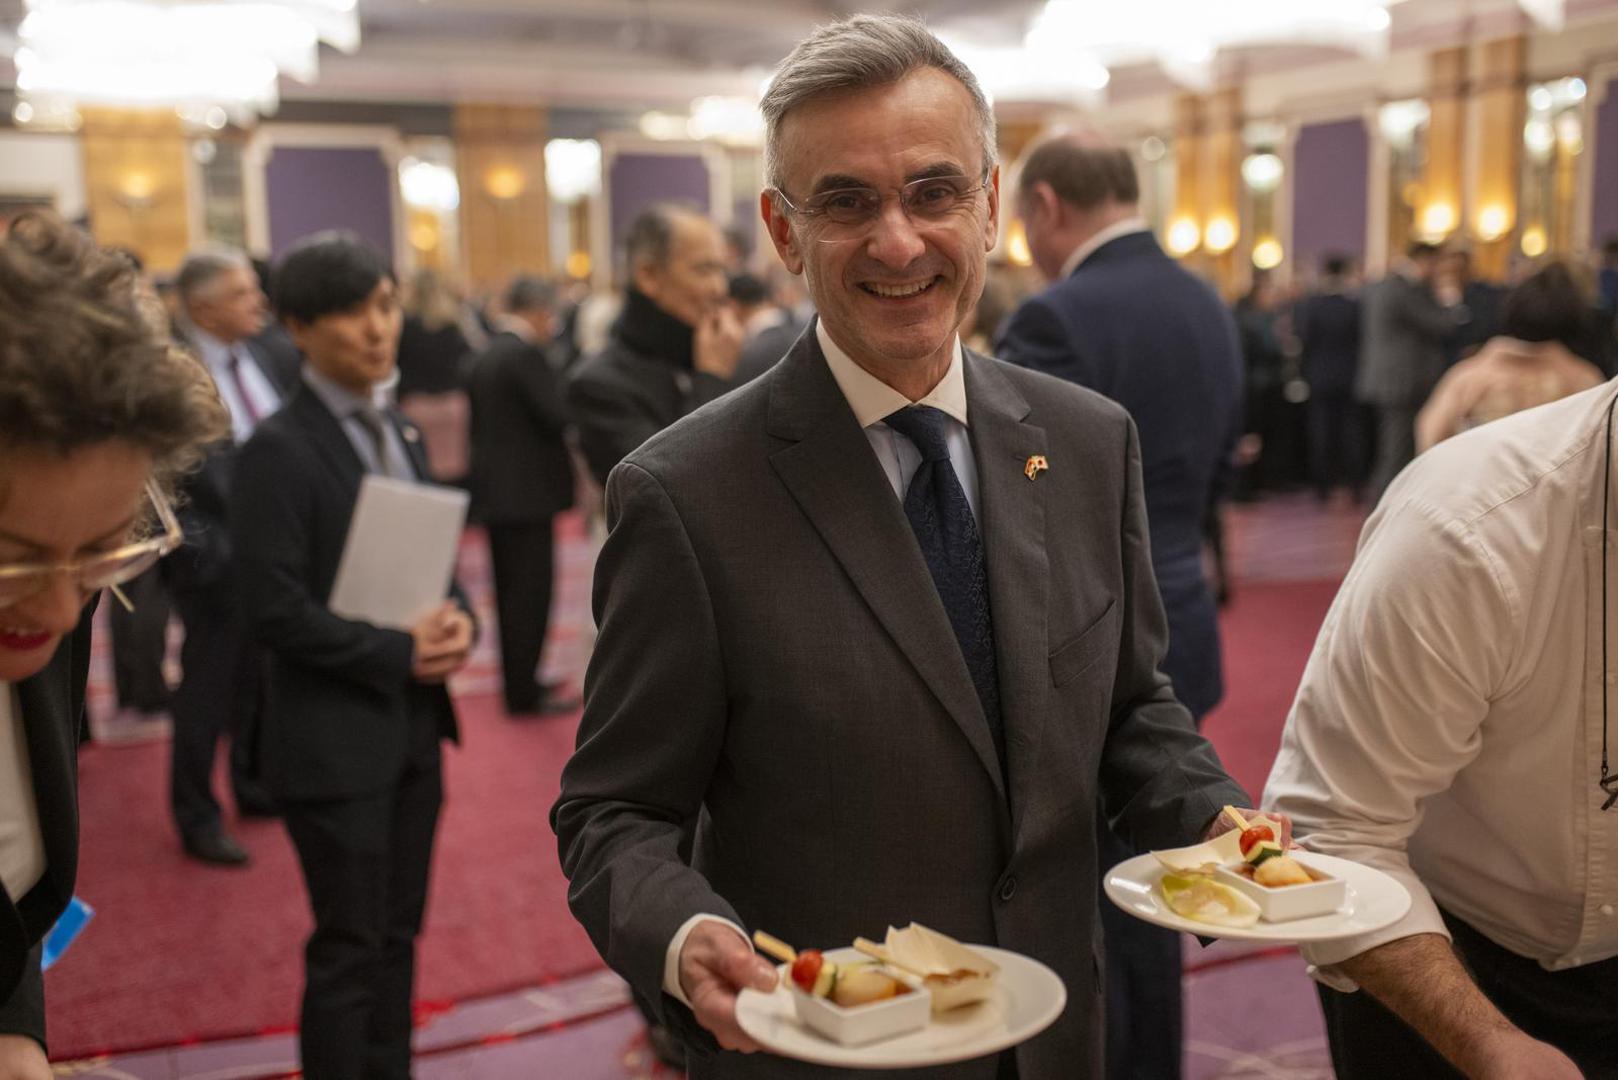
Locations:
505 183
578 265
1017 249
1184 236
136 192
1220 236
1437 221
1533 242
1268 253
1493 223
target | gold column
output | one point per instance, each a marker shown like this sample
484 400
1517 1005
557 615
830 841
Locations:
1184 235
1223 149
1501 99
500 162
1439 214
135 178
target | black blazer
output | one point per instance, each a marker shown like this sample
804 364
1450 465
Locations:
520 468
1328 329
342 705
52 707
1130 323
201 568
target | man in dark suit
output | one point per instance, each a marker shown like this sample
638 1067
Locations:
356 711
878 629
674 347
221 309
522 477
1402 356
1327 324
1125 320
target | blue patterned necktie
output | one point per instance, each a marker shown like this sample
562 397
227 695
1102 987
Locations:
936 507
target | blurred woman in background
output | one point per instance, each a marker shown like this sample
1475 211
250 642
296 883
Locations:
1529 363
433 351
99 414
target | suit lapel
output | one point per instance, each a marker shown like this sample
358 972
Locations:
326 433
1012 508
835 479
50 725
410 436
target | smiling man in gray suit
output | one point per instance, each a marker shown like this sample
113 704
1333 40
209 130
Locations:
878 628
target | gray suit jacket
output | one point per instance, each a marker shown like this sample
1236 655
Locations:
1401 343
779 727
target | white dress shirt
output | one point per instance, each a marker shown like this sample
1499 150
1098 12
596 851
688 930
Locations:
22 846
872 399
1076 258
216 356
1448 727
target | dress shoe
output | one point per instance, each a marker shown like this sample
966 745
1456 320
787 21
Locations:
215 847
254 802
550 700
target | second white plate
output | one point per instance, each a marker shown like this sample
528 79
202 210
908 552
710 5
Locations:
1374 900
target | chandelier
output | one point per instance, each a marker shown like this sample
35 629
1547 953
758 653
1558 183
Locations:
189 54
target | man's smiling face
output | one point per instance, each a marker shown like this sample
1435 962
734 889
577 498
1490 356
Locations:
891 293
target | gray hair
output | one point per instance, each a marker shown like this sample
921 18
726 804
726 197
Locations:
651 233
858 53
202 268
527 293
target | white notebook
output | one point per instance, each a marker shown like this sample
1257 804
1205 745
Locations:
399 557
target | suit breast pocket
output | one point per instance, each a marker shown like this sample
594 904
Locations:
1083 651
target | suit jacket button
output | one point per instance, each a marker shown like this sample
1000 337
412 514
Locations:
1008 888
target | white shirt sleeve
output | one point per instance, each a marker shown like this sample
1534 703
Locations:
1392 703
671 962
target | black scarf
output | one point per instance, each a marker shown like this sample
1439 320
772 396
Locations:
649 330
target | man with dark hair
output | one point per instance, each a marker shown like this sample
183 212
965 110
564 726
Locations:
522 478
770 327
356 710
673 349
1480 304
1402 333
879 632
222 309
1125 320
1327 324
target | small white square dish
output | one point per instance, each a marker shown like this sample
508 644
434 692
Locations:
861 1024
1323 895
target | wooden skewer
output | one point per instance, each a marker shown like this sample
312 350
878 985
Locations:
774 946
1235 815
880 952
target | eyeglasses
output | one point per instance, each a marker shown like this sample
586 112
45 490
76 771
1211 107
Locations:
930 199
107 570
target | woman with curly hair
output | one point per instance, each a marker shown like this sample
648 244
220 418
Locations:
99 415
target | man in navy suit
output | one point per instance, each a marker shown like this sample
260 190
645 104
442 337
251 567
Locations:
356 711
1125 320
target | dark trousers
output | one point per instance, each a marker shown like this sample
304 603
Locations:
1144 1037
523 556
365 864
139 643
1395 445
220 693
1575 1011
1336 437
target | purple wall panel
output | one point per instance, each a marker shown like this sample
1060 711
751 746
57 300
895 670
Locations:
313 188
1604 183
1330 172
639 179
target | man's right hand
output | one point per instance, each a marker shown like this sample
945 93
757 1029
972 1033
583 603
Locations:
1514 1055
716 347
441 641
715 963
22 1059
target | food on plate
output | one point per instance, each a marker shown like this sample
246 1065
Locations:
849 985
955 974
1281 871
1255 835
1200 898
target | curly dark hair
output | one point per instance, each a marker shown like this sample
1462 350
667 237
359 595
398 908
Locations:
85 355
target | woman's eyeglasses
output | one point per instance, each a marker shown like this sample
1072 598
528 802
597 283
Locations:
107 570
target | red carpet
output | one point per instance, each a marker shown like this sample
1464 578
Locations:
179 952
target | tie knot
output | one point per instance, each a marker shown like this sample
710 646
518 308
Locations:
924 426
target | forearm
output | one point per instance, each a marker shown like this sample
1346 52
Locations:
1422 980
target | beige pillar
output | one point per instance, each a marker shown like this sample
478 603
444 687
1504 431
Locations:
136 178
500 160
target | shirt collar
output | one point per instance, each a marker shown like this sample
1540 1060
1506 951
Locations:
519 328
214 353
1105 236
341 401
872 399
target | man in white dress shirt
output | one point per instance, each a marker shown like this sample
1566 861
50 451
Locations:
222 307
1451 729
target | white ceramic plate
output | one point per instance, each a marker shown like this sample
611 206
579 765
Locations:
1374 900
1027 1000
